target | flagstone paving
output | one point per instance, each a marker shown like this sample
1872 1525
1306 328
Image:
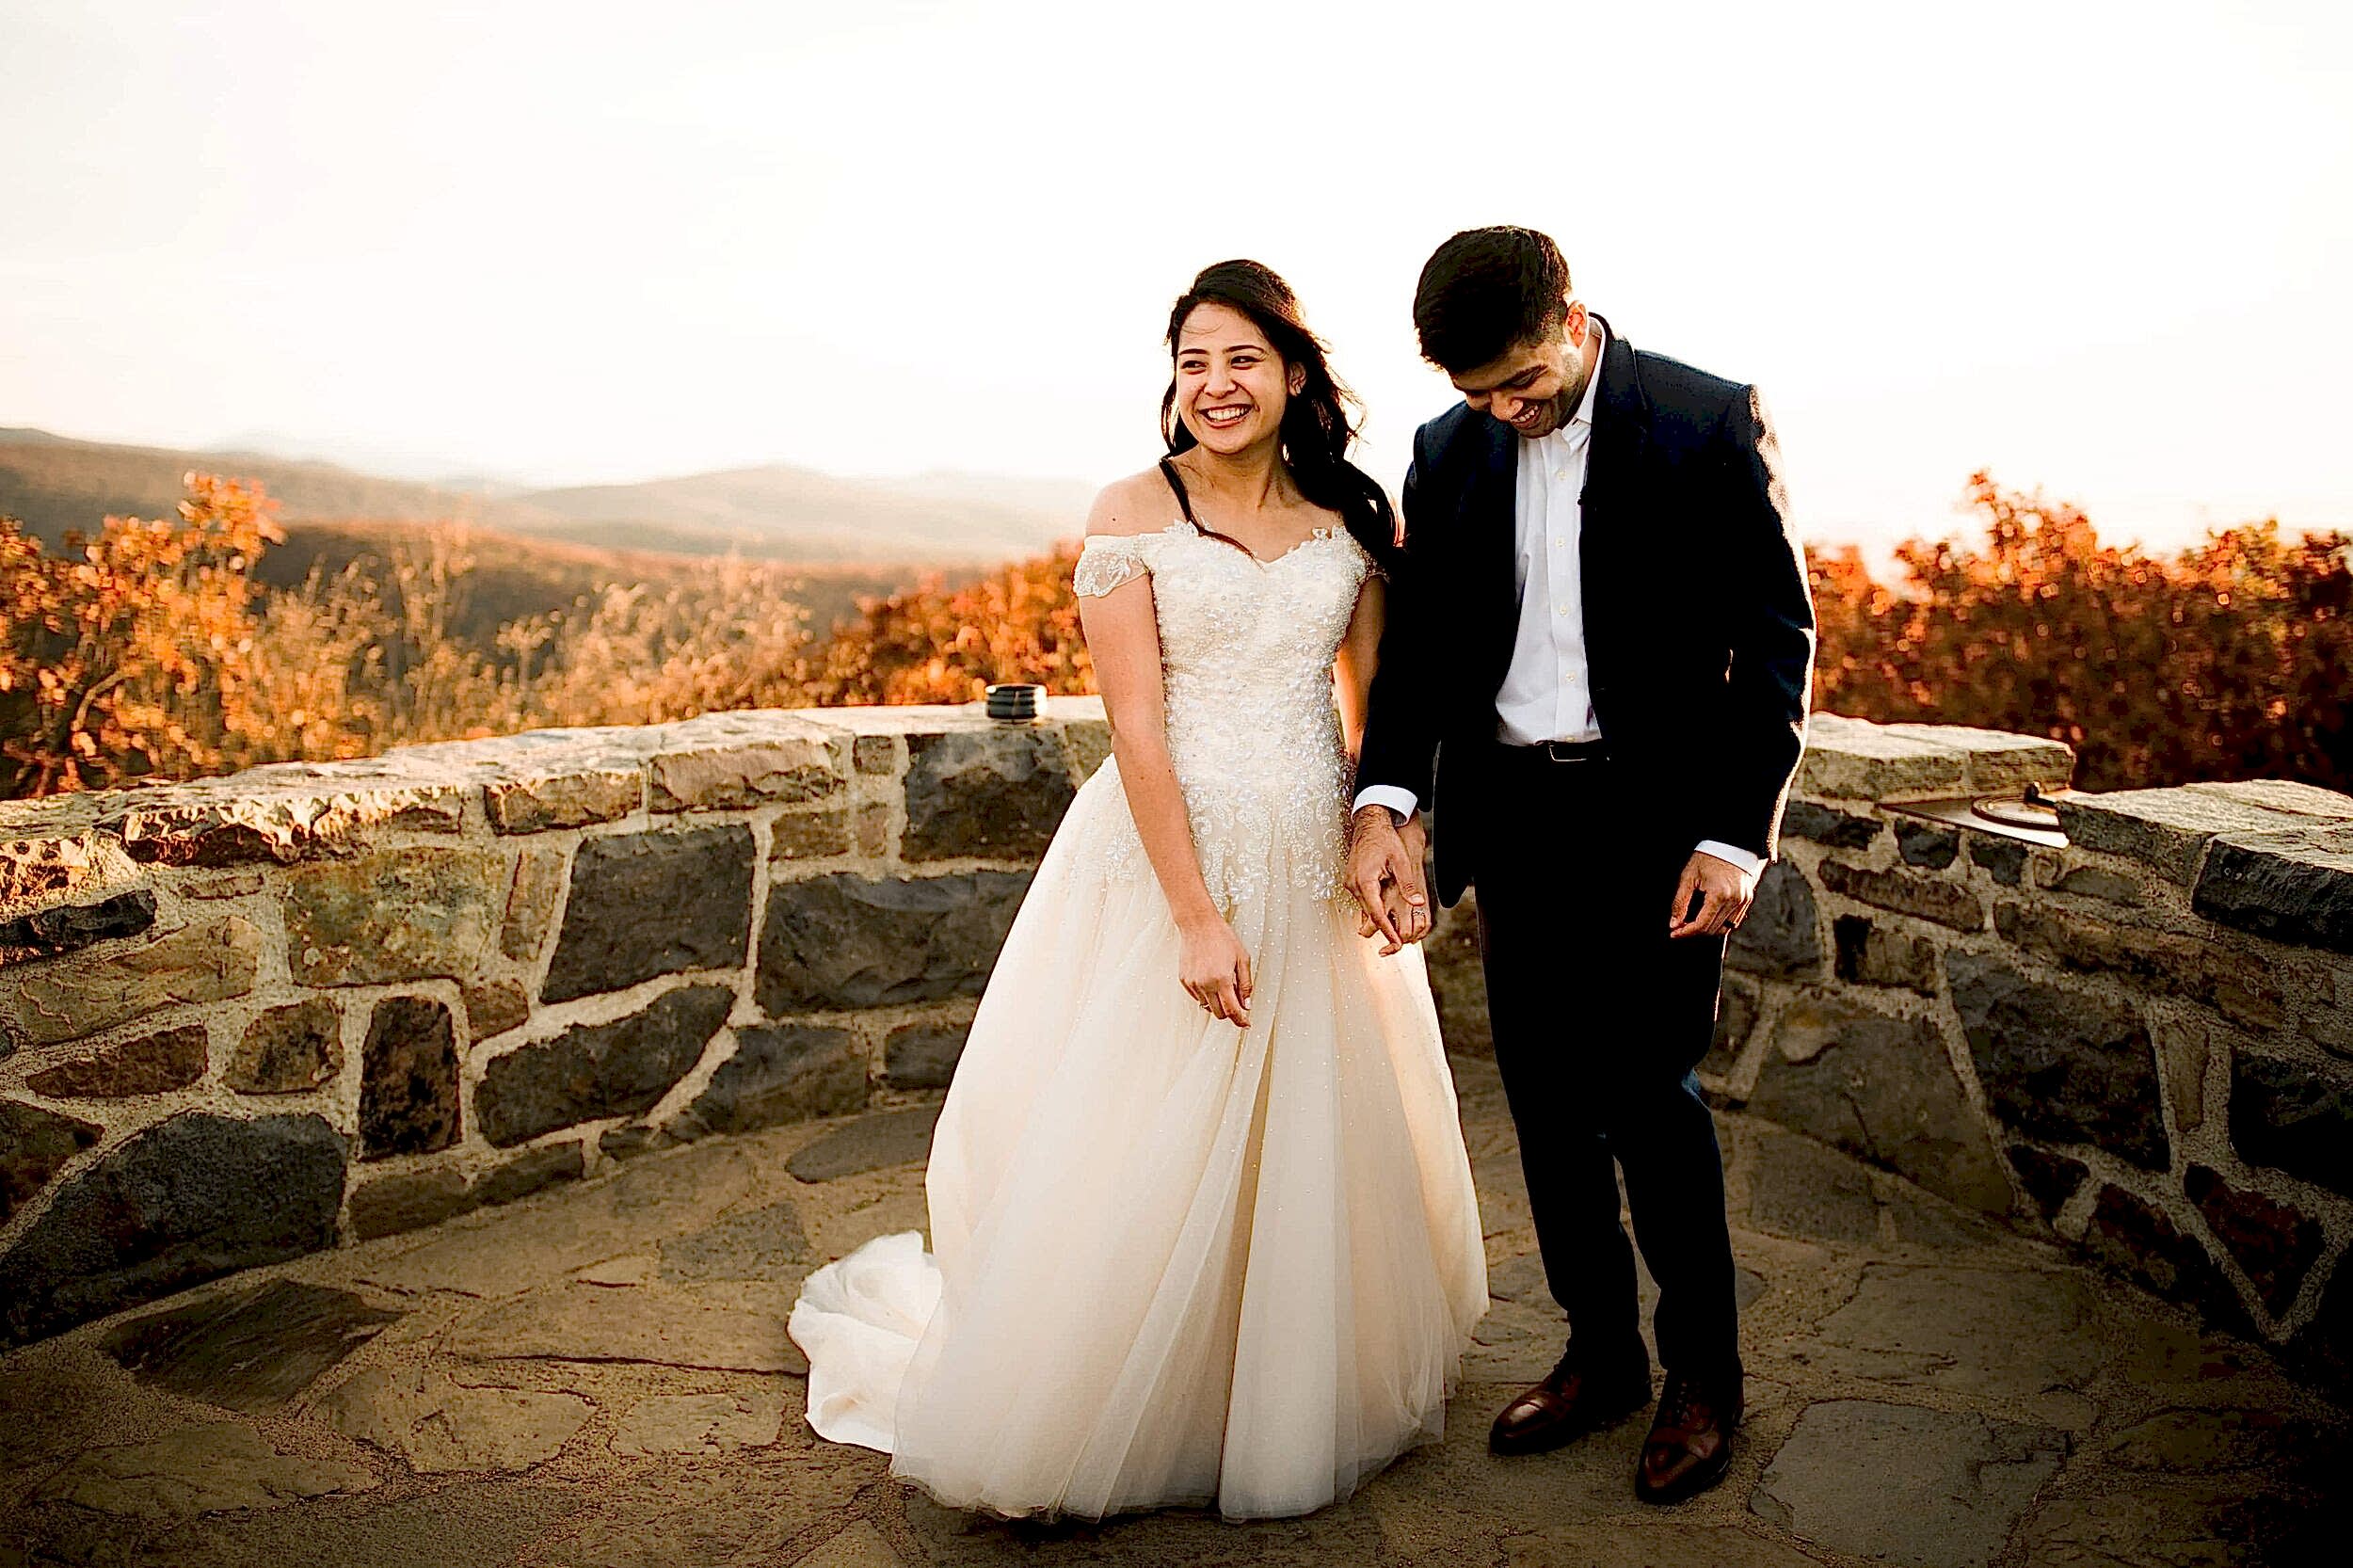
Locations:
599 1377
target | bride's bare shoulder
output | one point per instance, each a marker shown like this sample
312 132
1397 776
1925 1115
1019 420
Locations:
1140 504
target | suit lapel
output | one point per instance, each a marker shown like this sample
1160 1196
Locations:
1493 537
1613 468
1494 509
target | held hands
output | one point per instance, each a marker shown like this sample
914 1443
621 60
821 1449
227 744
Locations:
1214 969
1385 864
1724 891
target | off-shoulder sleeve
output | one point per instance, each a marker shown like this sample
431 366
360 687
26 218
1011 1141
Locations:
1106 561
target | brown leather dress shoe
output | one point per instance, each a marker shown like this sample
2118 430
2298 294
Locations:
1573 1400
1689 1446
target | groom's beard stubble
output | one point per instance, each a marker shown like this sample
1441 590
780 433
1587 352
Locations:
1573 387
1561 407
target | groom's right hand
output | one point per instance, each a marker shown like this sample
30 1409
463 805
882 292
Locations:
1380 859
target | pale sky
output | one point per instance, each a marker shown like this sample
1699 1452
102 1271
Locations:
2100 248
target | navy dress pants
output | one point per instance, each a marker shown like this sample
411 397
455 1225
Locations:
1599 1019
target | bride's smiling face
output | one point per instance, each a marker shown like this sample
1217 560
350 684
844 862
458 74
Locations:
1231 386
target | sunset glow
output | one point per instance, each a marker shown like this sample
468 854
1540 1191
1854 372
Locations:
2095 248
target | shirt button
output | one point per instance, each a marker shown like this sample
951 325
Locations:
1563 475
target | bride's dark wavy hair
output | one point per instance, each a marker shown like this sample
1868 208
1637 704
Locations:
1318 422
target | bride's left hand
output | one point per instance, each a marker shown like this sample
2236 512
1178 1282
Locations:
1214 968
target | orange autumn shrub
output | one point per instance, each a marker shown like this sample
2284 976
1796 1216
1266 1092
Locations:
150 653
2231 660
131 654
939 644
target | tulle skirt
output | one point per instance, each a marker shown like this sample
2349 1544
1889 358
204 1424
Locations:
1176 1262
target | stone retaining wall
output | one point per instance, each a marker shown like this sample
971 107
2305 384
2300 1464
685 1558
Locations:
245 1018
2142 1041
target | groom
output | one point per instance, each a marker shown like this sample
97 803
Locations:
1596 666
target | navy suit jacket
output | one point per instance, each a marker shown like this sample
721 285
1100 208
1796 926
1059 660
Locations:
1699 627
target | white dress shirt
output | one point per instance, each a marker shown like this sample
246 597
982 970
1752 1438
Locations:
1546 693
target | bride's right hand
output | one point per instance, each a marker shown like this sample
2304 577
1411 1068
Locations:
1214 970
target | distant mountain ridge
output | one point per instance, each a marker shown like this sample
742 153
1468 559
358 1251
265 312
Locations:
775 511
827 517
53 483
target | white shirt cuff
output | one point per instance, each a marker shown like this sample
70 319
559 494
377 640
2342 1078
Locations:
1396 798
1732 855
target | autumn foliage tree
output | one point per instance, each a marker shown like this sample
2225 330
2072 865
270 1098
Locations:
2229 659
149 653
941 644
131 654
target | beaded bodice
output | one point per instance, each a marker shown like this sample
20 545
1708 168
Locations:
1246 652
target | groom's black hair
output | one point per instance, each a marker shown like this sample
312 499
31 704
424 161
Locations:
1487 290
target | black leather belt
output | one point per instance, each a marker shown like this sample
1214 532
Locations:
1557 751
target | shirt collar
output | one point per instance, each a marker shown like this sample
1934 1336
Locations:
1584 414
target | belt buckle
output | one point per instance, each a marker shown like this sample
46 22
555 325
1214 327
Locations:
1553 752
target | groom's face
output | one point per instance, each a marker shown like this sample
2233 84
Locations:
1533 387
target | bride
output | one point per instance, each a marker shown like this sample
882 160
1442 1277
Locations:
1202 1220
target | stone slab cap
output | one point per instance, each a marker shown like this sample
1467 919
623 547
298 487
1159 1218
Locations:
71 845
545 778
52 817
914 718
752 757
519 750
943 718
2170 829
1847 758
2292 886
51 849
2282 795
285 811
567 798
1998 760
1085 731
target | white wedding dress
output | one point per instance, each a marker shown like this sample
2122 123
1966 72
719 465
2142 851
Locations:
1180 1261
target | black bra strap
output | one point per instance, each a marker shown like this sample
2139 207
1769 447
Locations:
1169 471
